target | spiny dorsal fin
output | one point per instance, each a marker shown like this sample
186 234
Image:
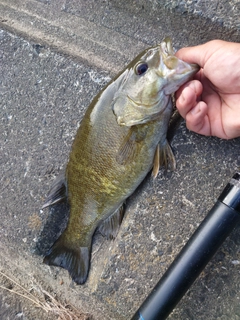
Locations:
57 192
109 227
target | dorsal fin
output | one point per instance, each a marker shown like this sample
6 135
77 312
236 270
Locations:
58 191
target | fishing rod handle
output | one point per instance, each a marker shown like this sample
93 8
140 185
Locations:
203 244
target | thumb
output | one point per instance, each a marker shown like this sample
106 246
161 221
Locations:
201 53
193 54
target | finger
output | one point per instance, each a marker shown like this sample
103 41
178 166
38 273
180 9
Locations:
192 54
197 119
187 95
201 53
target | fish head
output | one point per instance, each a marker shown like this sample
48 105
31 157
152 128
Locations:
148 81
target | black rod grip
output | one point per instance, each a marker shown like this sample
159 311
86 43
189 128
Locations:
195 255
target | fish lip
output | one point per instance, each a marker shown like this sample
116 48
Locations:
185 68
191 69
166 47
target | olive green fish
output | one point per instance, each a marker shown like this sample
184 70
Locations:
120 139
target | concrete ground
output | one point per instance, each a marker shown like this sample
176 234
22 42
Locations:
55 55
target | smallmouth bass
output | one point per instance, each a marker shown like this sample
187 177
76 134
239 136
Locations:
120 139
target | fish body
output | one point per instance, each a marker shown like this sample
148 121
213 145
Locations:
120 139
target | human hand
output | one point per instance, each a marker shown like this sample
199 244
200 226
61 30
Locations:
210 102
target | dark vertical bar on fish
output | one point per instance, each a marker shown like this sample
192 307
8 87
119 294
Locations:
218 224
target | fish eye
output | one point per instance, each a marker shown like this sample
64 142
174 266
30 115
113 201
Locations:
141 68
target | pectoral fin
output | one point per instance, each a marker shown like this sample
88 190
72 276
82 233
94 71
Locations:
109 227
129 146
127 149
156 162
57 192
163 157
167 158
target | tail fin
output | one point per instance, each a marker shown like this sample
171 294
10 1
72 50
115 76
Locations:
75 260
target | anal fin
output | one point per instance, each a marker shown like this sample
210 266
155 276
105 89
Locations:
109 227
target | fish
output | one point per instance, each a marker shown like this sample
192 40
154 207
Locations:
121 137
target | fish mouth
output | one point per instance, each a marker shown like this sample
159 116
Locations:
172 62
175 71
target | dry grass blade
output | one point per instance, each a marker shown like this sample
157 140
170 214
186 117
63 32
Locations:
44 300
